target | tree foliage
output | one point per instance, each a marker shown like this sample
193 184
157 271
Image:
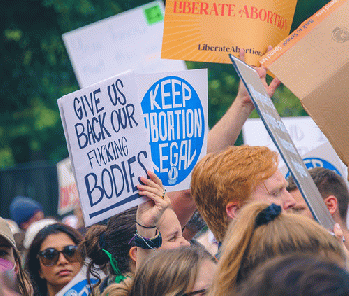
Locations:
36 71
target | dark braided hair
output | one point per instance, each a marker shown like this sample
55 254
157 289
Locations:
115 237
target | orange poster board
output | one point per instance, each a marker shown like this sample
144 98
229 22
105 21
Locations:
207 31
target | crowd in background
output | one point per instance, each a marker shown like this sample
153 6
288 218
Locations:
241 229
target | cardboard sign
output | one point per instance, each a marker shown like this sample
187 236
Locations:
208 31
283 142
175 112
129 40
68 192
313 62
108 145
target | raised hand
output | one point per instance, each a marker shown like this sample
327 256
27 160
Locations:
150 212
262 72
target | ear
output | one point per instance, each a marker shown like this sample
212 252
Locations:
133 254
331 203
232 208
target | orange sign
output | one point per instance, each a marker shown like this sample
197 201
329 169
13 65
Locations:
207 31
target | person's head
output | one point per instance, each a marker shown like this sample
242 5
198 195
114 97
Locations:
261 232
10 258
297 274
175 272
332 188
222 183
25 211
114 238
171 231
53 259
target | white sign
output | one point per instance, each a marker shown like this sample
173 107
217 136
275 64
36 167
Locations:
303 131
79 286
68 192
129 40
283 142
323 156
108 145
175 112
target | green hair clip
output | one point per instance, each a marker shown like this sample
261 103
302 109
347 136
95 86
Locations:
119 277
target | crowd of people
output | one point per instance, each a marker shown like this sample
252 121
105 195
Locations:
264 240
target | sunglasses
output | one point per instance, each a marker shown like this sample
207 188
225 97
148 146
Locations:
50 256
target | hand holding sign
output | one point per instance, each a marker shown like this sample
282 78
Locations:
150 212
262 72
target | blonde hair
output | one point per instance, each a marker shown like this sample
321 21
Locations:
247 245
165 273
230 175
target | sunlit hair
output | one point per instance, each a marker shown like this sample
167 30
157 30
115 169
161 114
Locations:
230 175
329 183
166 273
25 287
246 246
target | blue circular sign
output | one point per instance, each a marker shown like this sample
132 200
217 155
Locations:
313 162
175 119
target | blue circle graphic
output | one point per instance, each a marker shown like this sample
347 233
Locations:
313 162
175 119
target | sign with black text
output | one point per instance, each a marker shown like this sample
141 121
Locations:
108 145
283 142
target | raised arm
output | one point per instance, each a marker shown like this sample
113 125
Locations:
228 128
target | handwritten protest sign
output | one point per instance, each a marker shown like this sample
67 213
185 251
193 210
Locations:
107 144
283 142
207 31
175 112
68 192
128 40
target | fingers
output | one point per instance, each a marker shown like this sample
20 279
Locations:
242 54
274 84
152 187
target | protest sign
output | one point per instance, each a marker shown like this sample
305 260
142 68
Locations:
208 31
68 193
313 62
310 142
283 142
128 40
79 285
107 144
175 112
303 131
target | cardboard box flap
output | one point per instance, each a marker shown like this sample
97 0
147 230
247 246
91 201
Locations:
317 56
328 105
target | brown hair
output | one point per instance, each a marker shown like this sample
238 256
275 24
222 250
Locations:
247 245
297 274
230 175
329 183
166 273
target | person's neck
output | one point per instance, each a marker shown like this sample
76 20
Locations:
53 290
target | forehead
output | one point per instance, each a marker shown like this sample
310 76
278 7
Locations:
57 240
277 180
169 222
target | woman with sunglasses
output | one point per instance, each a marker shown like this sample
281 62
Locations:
52 259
